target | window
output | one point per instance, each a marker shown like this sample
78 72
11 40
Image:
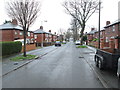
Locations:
21 33
113 28
46 35
15 33
107 39
32 34
112 37
35 36
28 33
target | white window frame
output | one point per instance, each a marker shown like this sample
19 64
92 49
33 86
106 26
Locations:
35 36
28 33
107 39
21 33
113 28
16 33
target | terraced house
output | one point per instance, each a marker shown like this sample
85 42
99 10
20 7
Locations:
47 38
11 31
110 32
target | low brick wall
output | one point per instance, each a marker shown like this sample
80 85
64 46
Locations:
107 49
29 47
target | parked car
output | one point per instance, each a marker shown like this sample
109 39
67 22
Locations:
57 43
77 42
118 70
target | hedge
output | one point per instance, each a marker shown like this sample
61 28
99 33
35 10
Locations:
9 48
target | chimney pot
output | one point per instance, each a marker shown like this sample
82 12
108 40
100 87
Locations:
41 27
14 21
92 29
107 22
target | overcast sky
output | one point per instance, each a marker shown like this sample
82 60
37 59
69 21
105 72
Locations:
54 13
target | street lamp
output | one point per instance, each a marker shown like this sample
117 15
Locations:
42 33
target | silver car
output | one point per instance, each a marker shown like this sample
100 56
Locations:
118 71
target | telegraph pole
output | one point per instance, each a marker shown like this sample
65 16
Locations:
99 25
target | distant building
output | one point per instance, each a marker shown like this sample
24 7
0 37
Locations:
41 36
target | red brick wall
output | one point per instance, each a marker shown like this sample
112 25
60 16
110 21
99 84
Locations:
18 34
39 38
110 33
29 47
7 35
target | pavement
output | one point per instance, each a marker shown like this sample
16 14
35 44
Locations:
9 66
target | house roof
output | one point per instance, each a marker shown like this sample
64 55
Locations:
92 32
10 26
40 31
116 22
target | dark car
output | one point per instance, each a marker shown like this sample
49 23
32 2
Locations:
57 43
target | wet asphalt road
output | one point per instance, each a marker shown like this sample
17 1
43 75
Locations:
62 68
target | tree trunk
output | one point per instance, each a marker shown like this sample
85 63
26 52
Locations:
24 50
81 35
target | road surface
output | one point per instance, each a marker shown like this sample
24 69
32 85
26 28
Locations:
62 68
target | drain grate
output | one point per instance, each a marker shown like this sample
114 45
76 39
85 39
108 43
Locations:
81 57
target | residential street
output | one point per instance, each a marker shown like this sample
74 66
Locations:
63 67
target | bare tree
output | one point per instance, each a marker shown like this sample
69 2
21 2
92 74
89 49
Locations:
68 34
75 28
81 10
25 12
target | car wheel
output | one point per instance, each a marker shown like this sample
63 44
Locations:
100 65
118 75
96 61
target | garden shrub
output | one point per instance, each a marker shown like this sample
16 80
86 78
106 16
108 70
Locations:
9 48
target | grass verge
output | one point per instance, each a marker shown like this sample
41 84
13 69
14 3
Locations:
20 58
81 46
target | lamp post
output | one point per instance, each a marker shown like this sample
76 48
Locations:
42 33
99 24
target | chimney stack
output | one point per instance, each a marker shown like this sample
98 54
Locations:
41 27
107 22
92 29
50 31
14 21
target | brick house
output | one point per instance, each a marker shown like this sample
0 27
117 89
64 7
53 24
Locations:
50 36
91 35
12 31
112 31
54 37
41 36
108 33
